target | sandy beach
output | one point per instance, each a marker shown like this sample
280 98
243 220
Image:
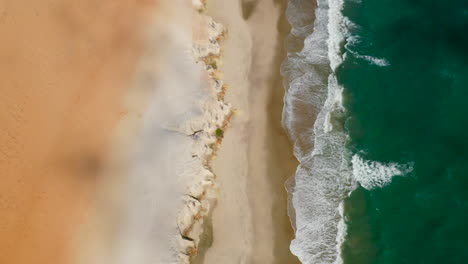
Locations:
250 223
104 143
64 69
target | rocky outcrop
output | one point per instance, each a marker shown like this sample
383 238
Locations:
204 131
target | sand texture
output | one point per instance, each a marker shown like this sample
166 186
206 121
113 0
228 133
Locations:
250 223
63 70
109 143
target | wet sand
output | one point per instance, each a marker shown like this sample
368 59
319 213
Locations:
64 68
250 223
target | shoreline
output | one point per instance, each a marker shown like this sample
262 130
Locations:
255 158
313 118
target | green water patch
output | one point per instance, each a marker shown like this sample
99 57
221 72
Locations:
405 79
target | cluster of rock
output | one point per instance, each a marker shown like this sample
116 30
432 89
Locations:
204 130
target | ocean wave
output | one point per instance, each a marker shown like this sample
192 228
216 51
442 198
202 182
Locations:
313 117
376 61
382 62
373 174
353 39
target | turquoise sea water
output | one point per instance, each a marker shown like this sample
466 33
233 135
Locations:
405 80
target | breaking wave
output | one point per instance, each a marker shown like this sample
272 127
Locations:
313 117
374 174
373 60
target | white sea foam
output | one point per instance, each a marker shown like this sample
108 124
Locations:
336 29
352 40
340 238
324 176
377 61
373 174
382 62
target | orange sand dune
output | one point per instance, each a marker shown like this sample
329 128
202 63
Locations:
64 67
